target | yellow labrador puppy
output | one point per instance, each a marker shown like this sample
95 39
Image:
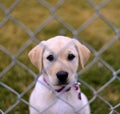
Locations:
57 90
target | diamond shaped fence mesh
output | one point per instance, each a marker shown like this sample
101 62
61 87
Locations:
95 23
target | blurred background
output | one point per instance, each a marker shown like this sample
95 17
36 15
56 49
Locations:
95 23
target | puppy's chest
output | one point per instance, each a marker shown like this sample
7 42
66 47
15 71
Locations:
63 105
61 108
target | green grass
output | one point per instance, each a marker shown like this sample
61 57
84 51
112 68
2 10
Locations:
33 14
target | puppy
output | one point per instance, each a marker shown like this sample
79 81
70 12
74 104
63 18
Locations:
57 90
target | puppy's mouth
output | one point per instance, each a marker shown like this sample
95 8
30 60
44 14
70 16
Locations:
63 83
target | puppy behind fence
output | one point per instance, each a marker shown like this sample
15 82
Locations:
56 91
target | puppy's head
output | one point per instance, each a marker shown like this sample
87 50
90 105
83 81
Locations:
58 59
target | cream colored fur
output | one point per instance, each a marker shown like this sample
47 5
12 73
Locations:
43 98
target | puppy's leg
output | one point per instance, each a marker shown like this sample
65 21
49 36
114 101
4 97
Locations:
32 111
86 108
33 105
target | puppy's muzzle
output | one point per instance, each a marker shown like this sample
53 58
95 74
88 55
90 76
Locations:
62 77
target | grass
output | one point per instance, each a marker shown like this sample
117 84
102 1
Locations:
33 14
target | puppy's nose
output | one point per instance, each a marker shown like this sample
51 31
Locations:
62 76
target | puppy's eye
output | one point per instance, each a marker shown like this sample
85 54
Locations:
70 57
50 58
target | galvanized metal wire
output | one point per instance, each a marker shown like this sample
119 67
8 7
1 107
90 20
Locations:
75 33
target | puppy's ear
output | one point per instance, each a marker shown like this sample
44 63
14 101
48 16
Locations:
36 56
83 52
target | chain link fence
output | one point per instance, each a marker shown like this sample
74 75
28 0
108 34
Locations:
15 89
